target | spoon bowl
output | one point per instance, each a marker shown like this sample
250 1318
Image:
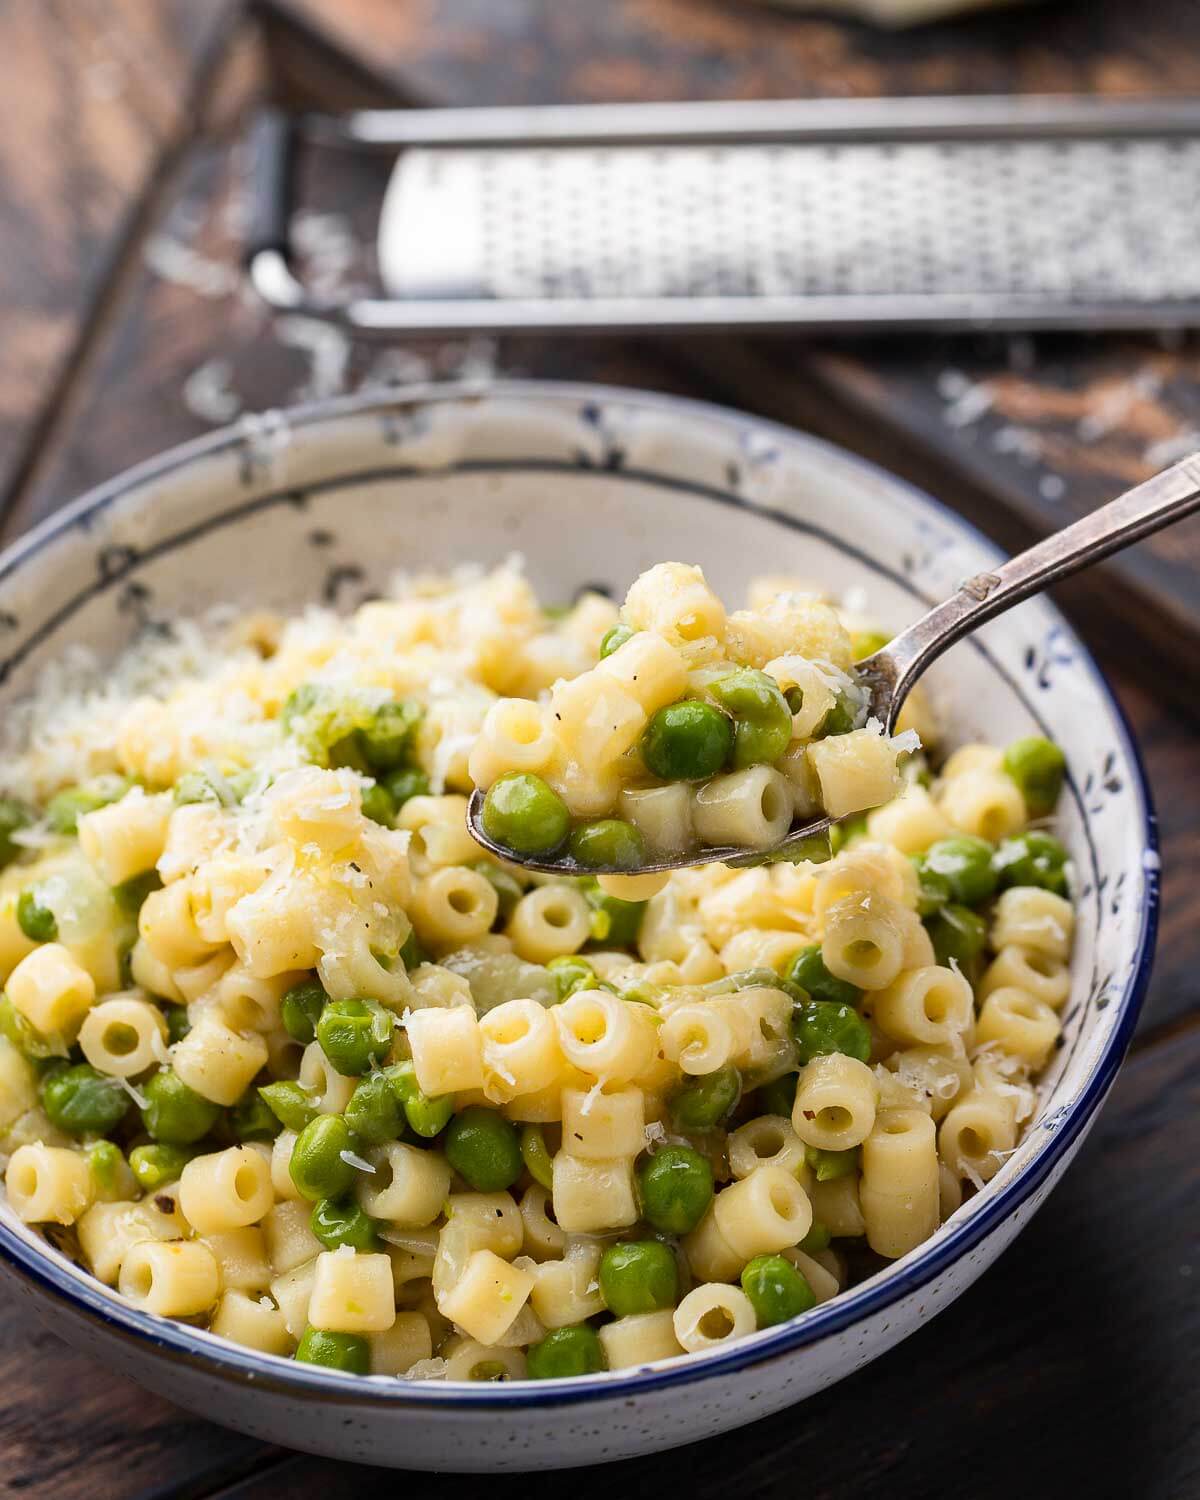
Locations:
813 835
889 674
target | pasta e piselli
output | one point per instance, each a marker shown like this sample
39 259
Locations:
283 1054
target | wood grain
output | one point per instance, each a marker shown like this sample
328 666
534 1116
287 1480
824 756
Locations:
119 1441
95 92
540 51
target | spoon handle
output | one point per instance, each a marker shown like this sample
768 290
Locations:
1148 507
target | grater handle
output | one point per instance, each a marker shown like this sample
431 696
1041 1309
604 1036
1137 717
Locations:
1158 502
272 174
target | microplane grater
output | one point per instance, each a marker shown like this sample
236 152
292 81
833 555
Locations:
852 215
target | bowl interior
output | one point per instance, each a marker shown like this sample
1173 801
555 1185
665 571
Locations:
590 487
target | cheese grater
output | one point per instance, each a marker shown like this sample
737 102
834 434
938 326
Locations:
858 216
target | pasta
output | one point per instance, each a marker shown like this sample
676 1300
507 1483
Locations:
694 728
283 1051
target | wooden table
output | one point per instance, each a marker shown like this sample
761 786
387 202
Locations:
1070 1367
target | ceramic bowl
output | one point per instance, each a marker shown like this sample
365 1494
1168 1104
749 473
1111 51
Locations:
591 486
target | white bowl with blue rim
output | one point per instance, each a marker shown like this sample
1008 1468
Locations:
590 485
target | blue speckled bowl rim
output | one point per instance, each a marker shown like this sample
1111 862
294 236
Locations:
228 1361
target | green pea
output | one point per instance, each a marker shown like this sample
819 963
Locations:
934 887
1039 768
638 1276
355 1034
821 1027
154 1166
564 1352
846 830
291 1104
131 893
484 1149
253 1119
777 1291
838 720
763 720
105 1161
779 1095
412 955
687 741
301 1009
957 933
348 1352
65 808
388 733
507 888
817 1239
338 726
828 1166
426 1115
401 1078
703 1102
25 1037
614 638
175 1113
178 1024
966 864
676 1187
375 1111
536 1156
607 842
1032 858
377 804
614 922
318 1167
570 974
37 922
522 813
13 817
408 782
866 642
809 972
340 1221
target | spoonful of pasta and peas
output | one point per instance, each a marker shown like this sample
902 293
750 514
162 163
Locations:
744 737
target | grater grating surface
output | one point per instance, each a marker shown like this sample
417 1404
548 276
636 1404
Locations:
862 215
1081 221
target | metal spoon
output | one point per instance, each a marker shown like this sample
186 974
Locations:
890 673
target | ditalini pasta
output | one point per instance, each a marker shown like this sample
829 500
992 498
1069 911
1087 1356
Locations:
283 1053
694 728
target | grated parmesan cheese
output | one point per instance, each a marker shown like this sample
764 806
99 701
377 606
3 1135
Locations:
589 1103
138 1098
357 1162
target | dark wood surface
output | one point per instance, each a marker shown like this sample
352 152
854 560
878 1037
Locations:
1069 1367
